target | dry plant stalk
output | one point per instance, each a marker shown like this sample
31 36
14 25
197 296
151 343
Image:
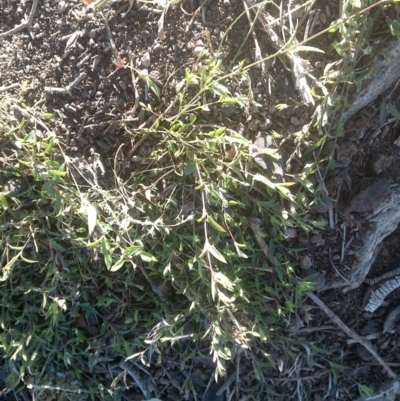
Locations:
299 66
351 333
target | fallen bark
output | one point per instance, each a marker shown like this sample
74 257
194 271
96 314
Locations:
382 223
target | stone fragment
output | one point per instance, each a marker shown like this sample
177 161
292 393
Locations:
306 262
291 233
146 60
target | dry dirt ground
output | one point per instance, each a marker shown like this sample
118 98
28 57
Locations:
68 40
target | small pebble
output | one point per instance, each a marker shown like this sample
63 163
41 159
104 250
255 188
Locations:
197 50
317 239
146 60
254 125
291 233
295 121
266 124
62 6
306 262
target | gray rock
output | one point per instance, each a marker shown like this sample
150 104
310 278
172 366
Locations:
146 60
306 262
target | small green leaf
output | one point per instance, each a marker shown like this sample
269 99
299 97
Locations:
146 257
57 246
116 266
215 225
264 180
133 250
47 116
3 202
57 173
105 246
393 111
155 89
211 248
237 138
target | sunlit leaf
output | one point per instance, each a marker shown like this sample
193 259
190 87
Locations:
105 247
309 49
216 253
92 218
215 225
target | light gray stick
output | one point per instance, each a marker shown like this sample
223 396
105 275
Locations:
23 25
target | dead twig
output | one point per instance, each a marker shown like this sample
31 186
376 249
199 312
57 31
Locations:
24 25
258 55
238 373
67 89
306 13
315 19
6 88
334 267
312 377
350 332
119 63
254 223
308 25
299 67
307 330
136 105
138 380
204 2
151 119
343 244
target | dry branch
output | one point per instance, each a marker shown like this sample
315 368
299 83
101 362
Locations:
299 67
385 74
24 24
350 332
